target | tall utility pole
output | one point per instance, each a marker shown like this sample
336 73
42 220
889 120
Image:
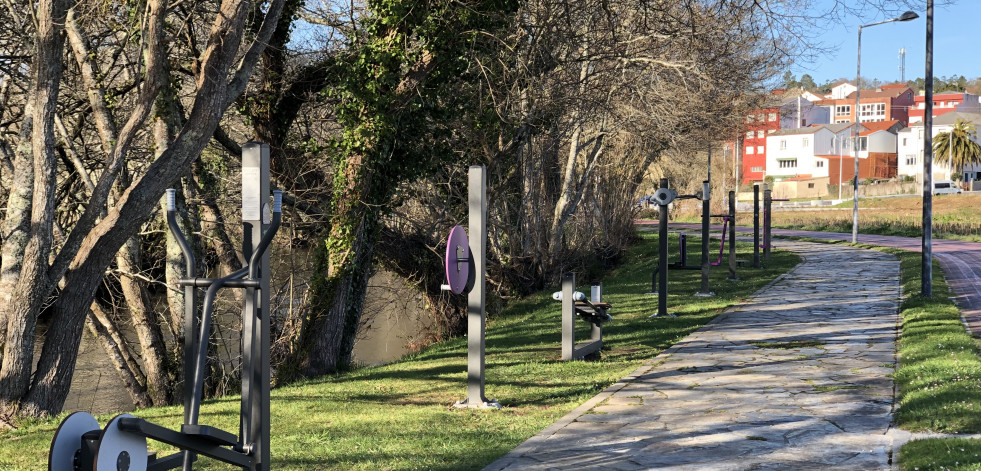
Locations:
926 263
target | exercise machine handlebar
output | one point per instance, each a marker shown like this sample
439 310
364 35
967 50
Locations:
277 217
178 234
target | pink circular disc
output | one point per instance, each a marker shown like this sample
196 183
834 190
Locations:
457 253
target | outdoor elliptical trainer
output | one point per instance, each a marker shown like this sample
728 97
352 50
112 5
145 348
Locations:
79 444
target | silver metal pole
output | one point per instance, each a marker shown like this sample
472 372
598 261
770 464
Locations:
476 299
256 213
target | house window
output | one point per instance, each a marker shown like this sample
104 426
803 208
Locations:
749 149
760 133
790 163
904 141
759 149
783 144
749 118
756 169
759 117
819 164
749 134
810 185
771 116
872 111
806 142
863 143
843 110
910 159
838 121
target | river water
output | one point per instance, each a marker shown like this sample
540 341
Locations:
395 323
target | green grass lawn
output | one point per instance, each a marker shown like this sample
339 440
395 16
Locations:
399 416
939 378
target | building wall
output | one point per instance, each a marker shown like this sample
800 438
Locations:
808 188
809 114
754 141
945 103
798 147
910 153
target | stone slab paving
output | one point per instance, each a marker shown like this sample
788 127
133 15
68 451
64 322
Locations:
795 379
960 260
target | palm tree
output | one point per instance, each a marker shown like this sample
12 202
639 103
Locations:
958 147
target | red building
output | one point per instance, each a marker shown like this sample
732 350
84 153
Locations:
759 123
944 103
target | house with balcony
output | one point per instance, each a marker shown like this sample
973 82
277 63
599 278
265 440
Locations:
945 102
911 146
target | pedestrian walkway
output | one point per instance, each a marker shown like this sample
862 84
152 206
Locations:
797 378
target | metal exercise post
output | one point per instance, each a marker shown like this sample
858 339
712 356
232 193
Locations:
255 316
706 199
663 197
732 236
476 302
767 221
756 226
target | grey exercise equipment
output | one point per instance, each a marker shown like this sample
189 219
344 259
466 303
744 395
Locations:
659 278
473 262
66 444
592 310
121 445
704 291
117 450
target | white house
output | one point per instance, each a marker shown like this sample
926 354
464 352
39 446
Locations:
911 142
806 151
842 91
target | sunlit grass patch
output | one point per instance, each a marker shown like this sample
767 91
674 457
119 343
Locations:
399 416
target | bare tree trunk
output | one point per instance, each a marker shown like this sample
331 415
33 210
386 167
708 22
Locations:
329 339
145 324
115 351
32 287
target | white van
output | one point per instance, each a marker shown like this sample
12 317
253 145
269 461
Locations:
945 187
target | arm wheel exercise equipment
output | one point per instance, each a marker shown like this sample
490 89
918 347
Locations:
466 270
79 444
593 310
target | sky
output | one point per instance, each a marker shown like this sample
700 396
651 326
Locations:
956 46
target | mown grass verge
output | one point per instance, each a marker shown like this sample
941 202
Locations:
939 376
398 416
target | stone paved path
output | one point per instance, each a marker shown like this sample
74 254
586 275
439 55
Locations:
960 260
797 378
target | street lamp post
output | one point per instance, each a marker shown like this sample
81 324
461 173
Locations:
908 16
